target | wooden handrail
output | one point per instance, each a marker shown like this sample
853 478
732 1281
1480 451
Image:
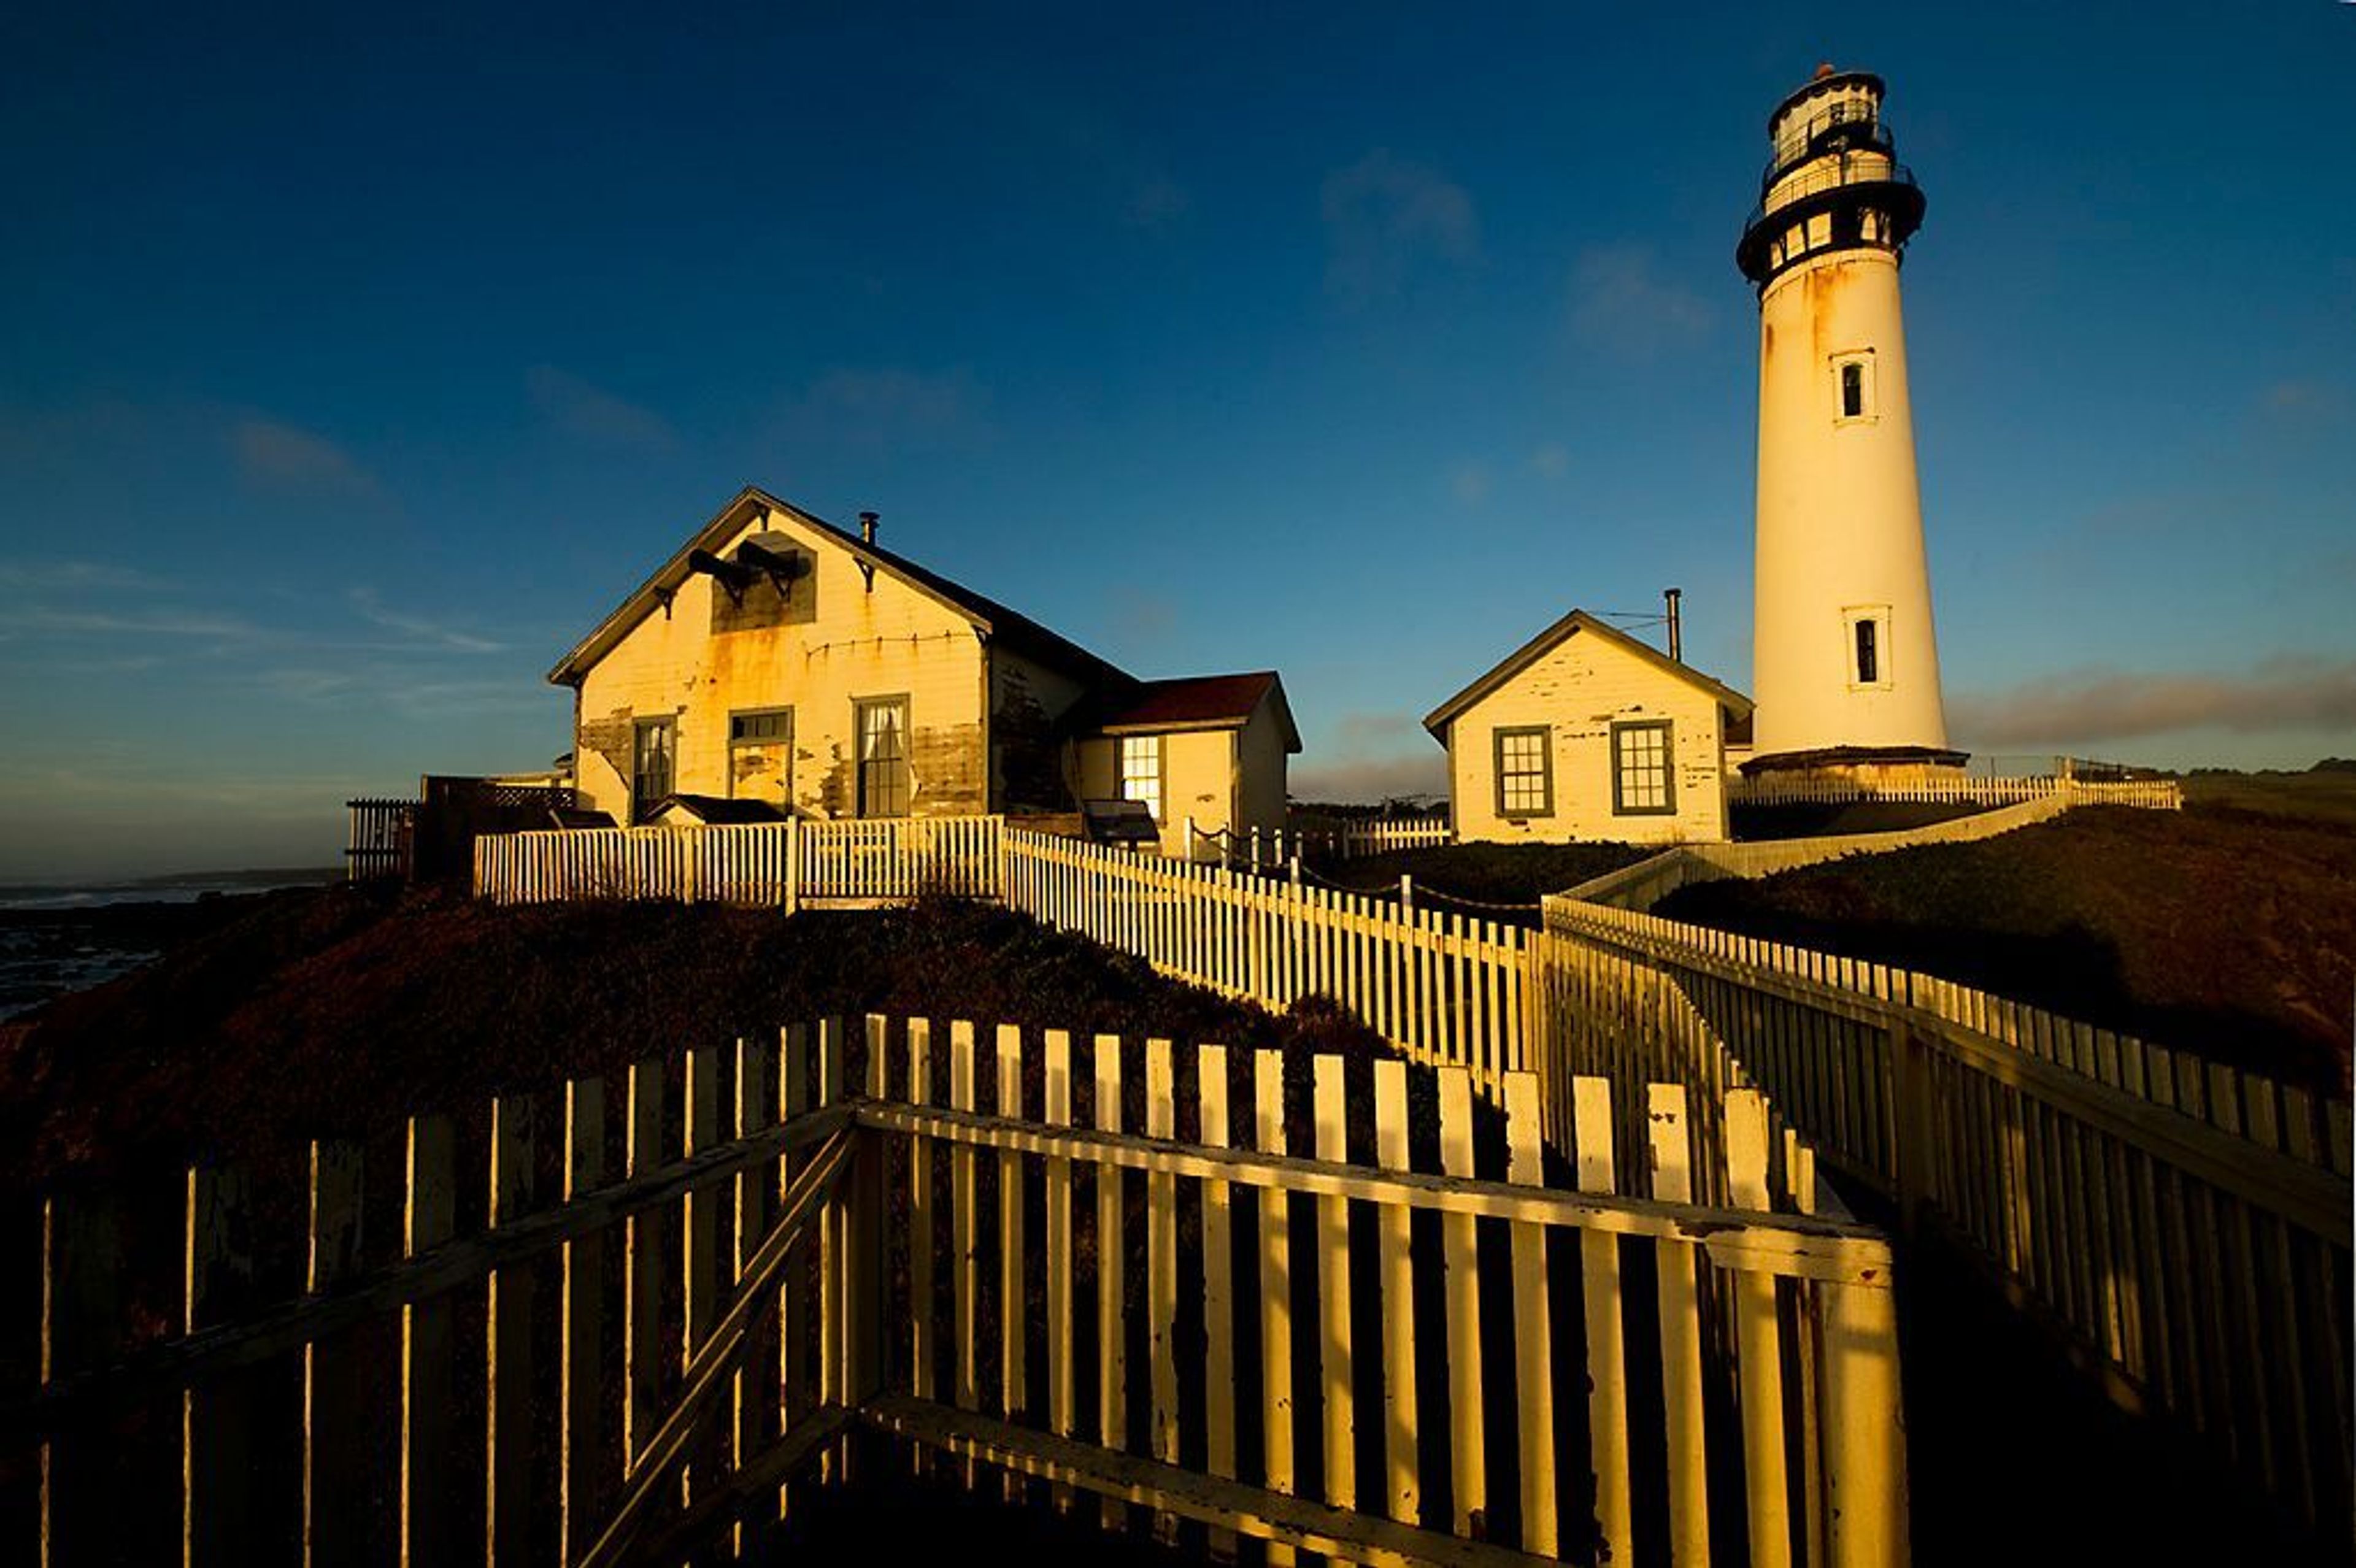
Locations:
1792 1245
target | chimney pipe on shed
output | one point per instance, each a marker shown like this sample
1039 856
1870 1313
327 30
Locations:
1677 627
867 527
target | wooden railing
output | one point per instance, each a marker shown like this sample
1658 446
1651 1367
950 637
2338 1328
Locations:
381 840
2184 1227
632 1364
786 864
216 1384
1812 1457
1444 988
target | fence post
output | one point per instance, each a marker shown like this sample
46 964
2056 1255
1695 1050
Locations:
1406 893
1910 1075
1865 1484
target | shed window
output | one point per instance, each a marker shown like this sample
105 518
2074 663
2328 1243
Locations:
654 754
1525 772
883 776
1141 771
1642 782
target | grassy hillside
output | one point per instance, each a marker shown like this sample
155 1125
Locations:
339 1011
1492 873
2215 930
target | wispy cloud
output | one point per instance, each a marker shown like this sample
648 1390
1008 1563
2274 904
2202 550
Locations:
401 689
889 406
1141 615
1372 757
280 457
1621 302
1386 219
595 415
1157 204
78 576
1469 482
39 619
2290 693
431 635
1551 460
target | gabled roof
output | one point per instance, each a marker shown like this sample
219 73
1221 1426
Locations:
1195 702
1577 621
1018 633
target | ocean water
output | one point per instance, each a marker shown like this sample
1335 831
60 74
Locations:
61 937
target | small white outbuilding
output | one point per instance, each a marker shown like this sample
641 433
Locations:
1584 733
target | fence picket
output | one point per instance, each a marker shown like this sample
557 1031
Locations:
1062 1415
1534 1320
507 1338
1598 1254
580 1427
1336 1367
1219 1288
642 1266
1014 1391
217 1496
335 1459
1403 1487
1112 1347
1276 1287
428 1423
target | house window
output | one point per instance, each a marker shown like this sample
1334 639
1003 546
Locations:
1525 772
654 755
760 727
1642 782
761 753
884 777
1141 771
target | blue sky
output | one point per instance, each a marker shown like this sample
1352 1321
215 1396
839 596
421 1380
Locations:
356 363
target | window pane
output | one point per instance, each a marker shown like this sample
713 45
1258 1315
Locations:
1141 771
884 778
1641 767
1522 772
1852 390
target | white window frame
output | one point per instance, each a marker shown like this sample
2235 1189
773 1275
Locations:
1869 394
1142 763
1851 616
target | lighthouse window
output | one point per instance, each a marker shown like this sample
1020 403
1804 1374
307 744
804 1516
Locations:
1642 785
1525 772
1868 627
1853 386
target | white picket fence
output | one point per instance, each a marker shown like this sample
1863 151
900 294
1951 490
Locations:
1257 848
1940 786
785 864
1446 989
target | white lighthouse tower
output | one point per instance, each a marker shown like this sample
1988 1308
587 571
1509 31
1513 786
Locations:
1846 663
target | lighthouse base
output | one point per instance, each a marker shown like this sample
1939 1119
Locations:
1875 768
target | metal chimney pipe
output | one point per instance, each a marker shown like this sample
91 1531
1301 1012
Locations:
867 527
1677 627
